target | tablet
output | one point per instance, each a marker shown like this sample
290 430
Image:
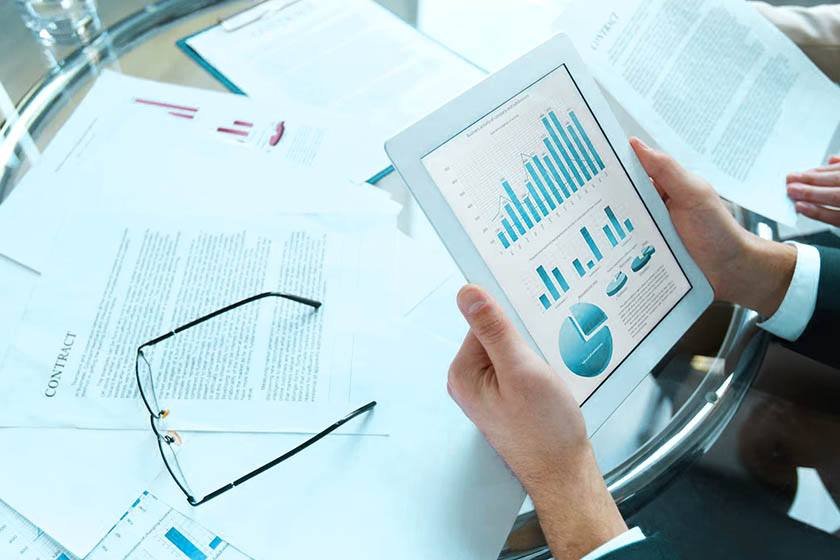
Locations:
534 189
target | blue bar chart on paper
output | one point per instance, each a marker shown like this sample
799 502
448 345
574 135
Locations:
567 162
149 530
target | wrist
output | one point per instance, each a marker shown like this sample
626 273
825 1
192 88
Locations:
766 274
576 511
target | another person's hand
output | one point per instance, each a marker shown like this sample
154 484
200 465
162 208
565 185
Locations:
816 192
742 267
528 415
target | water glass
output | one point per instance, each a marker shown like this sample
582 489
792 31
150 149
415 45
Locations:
62 22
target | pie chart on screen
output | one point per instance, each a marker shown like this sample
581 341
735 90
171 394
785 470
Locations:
586 344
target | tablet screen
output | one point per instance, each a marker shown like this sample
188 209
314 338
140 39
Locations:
539 189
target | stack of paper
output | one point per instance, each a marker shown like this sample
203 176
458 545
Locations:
143 215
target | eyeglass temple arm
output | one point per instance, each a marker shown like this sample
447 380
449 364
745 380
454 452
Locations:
283 457
291 297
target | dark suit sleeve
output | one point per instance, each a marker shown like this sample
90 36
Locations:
820 339
653 547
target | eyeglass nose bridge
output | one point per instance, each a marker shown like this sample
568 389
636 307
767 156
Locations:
167 436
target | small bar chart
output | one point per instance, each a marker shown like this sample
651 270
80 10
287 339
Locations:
555 284
569 162
615 231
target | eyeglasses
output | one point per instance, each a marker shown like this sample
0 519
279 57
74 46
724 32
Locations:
167 439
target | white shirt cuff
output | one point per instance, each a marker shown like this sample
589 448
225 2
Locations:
624 539
797 307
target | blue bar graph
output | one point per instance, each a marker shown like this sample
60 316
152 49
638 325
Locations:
550 147
514 219
591 242
563 152
629 225
579 267
540 186
581 149
509 230
560 280
533 210
586 139
556 122
590 265
551 177
552 289
214 544
550 184
517 204
557 180
544 301
183 544
610 236
536 198
614 221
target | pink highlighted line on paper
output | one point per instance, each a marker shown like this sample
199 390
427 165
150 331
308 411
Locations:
233 131
165 105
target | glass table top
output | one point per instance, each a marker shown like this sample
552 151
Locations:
673 417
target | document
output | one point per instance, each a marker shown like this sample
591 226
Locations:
434 484
717 86
73 484
352 56
117 281
288 131
121 154
148 530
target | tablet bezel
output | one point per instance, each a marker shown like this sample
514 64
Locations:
407 149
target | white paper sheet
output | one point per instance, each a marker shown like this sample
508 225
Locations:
148 530
348 55
117 152
717 86
813 504
432 488
117 281
74 484
289 132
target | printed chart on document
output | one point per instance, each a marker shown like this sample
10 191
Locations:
540 191
149 530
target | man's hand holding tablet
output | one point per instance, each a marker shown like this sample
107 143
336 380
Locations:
506 377
533 188
525 410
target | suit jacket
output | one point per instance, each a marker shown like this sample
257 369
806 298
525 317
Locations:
821 337
653 547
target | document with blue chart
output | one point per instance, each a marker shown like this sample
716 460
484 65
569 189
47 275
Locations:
540 191
148 530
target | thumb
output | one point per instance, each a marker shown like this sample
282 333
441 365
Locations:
670 177
491 327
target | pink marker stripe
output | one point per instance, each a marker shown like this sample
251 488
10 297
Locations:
167 105
243 123
182 115
232 131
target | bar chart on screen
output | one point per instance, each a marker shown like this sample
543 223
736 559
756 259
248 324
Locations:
149 530
564 162
545 199
589 248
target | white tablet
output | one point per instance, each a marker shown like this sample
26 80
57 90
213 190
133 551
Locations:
531 184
